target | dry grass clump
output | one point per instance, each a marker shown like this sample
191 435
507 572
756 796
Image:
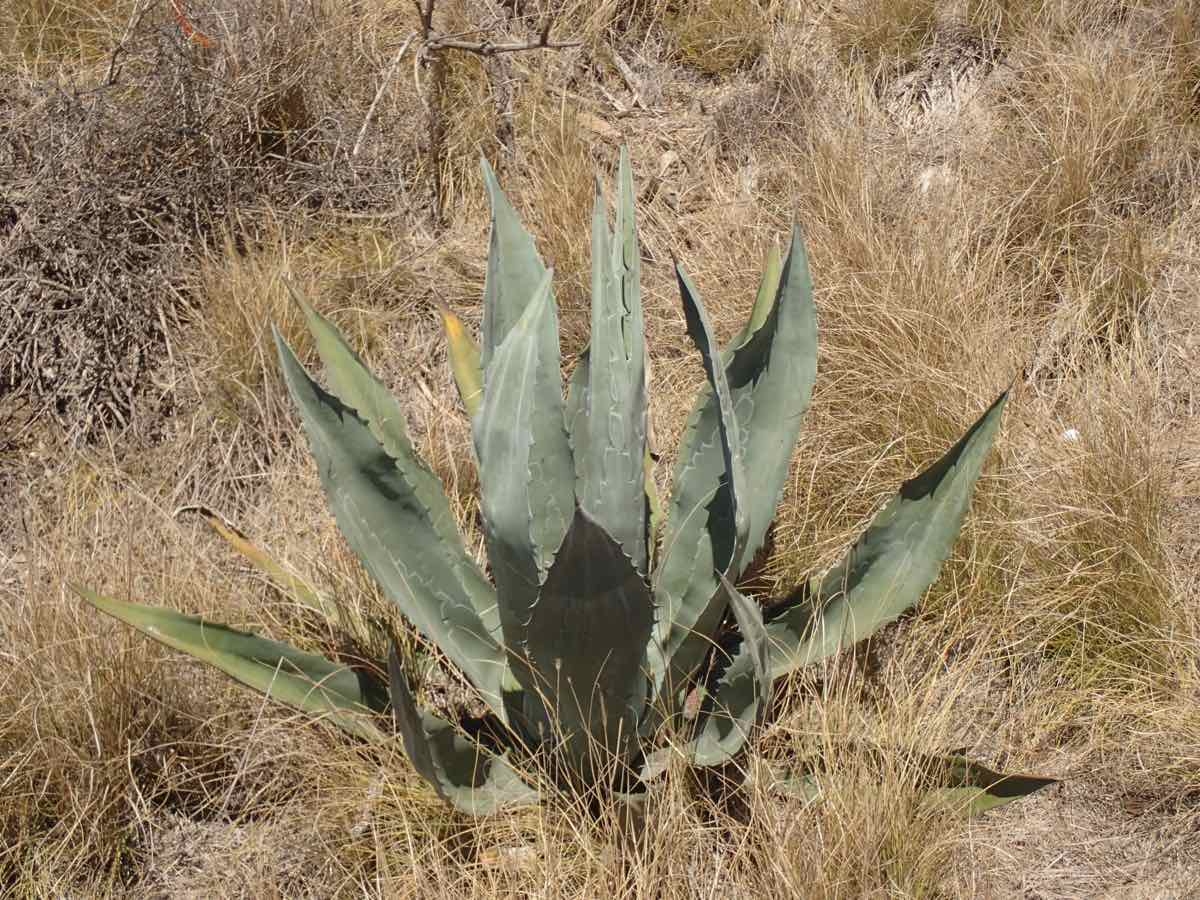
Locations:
562 172
880 37
42 33
764 116
1033 224
1184 55
87 759
718 37
242 292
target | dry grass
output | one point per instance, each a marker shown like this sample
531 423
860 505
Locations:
880 35
987 190
44 33
719 37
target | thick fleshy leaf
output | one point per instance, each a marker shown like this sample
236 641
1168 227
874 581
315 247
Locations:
516 279
707 526
461 772
514 270
586 642
304 681
764 300
465 363
357 387
770 368
732 713
892 564
771 376
610 462
576 415
385 521
576 409
507 448
975 788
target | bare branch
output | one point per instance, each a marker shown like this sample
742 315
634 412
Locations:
387 78
627 75
435 42
486 48
427 19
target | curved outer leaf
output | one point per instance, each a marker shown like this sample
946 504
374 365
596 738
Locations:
515 277
305 681
465 364
707 527
586 642
731 716
358 388
764 301
354 384
977 788
954 779
385 522
771 377
460 771
892 564
610 463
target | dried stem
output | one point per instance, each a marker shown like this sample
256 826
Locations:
433 45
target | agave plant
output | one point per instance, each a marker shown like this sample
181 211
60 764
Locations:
605 617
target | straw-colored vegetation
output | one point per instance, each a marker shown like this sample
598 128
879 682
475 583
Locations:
989 191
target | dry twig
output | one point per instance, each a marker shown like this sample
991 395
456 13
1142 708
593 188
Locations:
433 43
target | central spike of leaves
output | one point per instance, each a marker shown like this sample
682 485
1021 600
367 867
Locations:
610 460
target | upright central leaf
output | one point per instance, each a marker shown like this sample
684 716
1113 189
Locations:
586 643
514 274
610 459
508 450
769 372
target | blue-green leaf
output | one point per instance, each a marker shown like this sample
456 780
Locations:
507 448
707 527
771 373
357 387
515 281
953 780
586 642
385 521
610 461
892 564
304 681
732 713
460 771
